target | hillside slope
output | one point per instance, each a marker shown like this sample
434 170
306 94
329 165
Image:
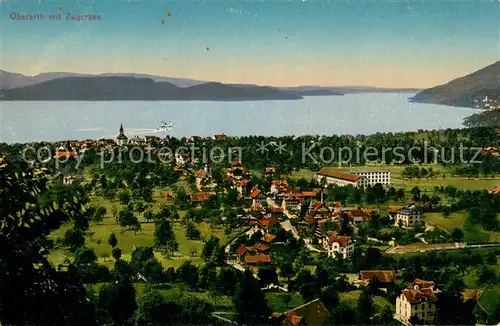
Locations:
464 91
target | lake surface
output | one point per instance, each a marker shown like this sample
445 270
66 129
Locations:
319 115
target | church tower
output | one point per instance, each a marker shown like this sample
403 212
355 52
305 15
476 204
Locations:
121 139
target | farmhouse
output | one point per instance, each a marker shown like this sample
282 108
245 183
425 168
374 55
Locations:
385 277
200 196
257 259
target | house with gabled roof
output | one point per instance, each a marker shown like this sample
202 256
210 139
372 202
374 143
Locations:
278 186
385 277
338 244
257 259
311 313
270 171
257 197
408 216
268 238
198 197
418 299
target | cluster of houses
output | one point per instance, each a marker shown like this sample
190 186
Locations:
487 102
417 301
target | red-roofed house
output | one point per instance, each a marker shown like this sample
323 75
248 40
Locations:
495 191
257 197
278 186
310 313
261 247
256 259
341 244
241 252
65 154
268 238
268 222
270 171
385 277
419 299
201 196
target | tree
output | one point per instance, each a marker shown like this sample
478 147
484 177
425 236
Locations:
74 239
364 308
99 214
486 274
153 270
386 316
116 253
85 256
188 274
126 218
345 225
267 275
330 298
208 276
457 235
151 309
117 301
414 320
124 197
227 280
165 237
286 298
249 301
415 192
192 232
30 210
210 247
112 241
195 311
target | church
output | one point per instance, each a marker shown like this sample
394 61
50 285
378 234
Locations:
121 139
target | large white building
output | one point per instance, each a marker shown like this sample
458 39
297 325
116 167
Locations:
339 178
418 300
374 177
408 216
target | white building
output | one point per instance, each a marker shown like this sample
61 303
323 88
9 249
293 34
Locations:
419 300
339 178
341 244
374 177
408 216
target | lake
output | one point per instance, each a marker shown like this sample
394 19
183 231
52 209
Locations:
318 115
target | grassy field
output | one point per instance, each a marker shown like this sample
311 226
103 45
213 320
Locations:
457 220
426 185
98 234
276 303
350 297
490 299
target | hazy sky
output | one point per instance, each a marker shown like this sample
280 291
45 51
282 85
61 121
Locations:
373 43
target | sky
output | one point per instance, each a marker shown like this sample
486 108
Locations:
277 43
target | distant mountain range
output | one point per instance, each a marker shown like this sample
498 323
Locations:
118 88
53 86
464 91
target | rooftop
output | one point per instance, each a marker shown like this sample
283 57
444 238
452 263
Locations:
258 259
337 174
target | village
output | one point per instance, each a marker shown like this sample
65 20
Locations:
287 231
